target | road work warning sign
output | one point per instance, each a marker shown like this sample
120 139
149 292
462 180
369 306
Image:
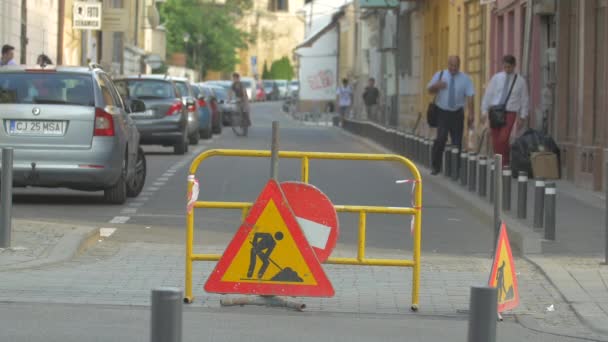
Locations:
270 255
503 276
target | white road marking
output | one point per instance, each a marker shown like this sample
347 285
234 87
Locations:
163 179
316 234
146 193
129 211
142 198
454 219
136 204
106 232
158 184
152 188
120 219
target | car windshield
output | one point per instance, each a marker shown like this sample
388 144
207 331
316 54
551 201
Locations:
145 89
268 84
47 88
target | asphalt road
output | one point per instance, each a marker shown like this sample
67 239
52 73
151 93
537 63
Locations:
161 207
72 323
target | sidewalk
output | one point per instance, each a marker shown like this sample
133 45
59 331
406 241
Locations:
36 244
572 262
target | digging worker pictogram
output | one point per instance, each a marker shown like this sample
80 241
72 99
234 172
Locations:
262 246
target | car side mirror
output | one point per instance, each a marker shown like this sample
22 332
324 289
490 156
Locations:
137 106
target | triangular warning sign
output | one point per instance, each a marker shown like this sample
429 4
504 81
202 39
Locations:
503 275
269 255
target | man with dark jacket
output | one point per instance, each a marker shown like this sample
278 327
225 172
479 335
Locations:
371 96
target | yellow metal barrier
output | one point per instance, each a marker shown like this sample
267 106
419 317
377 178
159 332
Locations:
416 211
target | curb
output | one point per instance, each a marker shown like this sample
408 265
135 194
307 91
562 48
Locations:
69 246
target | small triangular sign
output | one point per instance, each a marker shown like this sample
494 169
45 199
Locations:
503 275
269 254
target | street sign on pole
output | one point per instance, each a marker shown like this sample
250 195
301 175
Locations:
269 255
86 15
315 214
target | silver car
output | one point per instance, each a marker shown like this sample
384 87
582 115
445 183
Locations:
69 128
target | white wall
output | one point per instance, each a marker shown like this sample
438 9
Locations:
318 68
322 11
42 21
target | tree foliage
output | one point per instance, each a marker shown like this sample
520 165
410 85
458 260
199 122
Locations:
213 37
282 69
266 72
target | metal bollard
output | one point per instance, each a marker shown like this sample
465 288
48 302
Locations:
429 153
6 197
166 321
492 180
447 161
550 196
482 314
539 202
506 189
472 172
455 165
522 195
464 160
483 176
497 201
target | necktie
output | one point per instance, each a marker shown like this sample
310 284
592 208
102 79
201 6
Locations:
505 89
452 93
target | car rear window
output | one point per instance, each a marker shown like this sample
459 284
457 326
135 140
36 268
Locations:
220 93
183 88
145 89
47 88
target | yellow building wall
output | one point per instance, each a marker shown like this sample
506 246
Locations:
435 42
71 38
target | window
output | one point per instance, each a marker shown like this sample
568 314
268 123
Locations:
42 88
110 98
278 5
145 89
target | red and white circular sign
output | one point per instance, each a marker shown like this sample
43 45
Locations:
316 215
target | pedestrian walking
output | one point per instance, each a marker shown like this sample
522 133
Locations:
8 55
453 89
345 98
371 96
505 105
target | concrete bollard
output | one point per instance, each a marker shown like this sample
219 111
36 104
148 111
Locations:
539 202
483 314
166 321
455 165
492 180
472 172
464 161
447 161
550 201
483 176
6 196
522 195
506 189
429 153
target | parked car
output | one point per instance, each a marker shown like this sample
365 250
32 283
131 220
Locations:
269 89
205 112
70 128
225 107
216 115
260 92
165 120
198 127
283 88
294 86
249 84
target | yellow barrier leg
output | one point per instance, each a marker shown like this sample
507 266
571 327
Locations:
188 297
362 223
305 170
417 243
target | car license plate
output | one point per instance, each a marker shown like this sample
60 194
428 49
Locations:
36 127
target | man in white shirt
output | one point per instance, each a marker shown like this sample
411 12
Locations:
497 93
8 55
345 94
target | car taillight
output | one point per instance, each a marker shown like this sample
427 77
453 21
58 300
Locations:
175 108
202 103
104 123
192 108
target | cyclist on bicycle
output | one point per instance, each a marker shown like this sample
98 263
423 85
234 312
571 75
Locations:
240 93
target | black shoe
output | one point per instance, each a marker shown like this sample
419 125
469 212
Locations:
434 173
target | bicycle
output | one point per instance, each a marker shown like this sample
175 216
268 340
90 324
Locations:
238 121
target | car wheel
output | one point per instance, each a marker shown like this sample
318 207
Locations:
136 183
206 133
117 194
195 137
181 147
217 129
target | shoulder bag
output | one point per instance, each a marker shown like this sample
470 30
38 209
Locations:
432 112
498 113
